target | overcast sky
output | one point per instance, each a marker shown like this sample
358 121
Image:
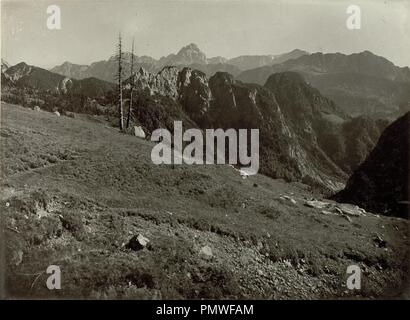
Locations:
90 28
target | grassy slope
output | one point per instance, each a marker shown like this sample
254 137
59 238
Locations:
75 191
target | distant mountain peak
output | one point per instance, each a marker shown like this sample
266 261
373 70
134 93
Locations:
191 50
191 46
21 64
298 51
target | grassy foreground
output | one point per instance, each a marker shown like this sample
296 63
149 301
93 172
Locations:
75 191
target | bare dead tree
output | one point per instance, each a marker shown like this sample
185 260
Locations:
119 77
132 85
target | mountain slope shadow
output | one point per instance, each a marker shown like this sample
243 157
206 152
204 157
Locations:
381 183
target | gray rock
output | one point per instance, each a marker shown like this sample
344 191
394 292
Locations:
69 114
317 204
17 257
206 252
137 242
380 242
351 210
139 132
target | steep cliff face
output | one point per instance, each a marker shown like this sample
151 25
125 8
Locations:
194 94
163 83
287 112
239 106
381 183
303 135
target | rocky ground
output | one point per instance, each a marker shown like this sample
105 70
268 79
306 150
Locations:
78 194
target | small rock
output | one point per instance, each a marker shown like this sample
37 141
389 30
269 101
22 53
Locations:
287 263
206 252
380 242
325 212
138 242
57 113
351 210
139 132
290 199
70 114
316 204
17 257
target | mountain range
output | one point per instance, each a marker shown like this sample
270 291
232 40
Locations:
360 83
23 75
188 56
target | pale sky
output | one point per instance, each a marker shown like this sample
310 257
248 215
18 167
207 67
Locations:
89 28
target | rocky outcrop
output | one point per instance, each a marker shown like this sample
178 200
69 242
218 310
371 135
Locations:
4 65
303 135
194 94
18 71
163 83
381 183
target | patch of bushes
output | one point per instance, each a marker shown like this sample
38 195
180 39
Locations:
73 222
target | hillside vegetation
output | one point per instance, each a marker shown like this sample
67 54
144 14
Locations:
76 193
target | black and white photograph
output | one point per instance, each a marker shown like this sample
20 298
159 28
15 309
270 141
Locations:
212 150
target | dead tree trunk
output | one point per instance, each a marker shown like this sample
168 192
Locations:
132 85
119 76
